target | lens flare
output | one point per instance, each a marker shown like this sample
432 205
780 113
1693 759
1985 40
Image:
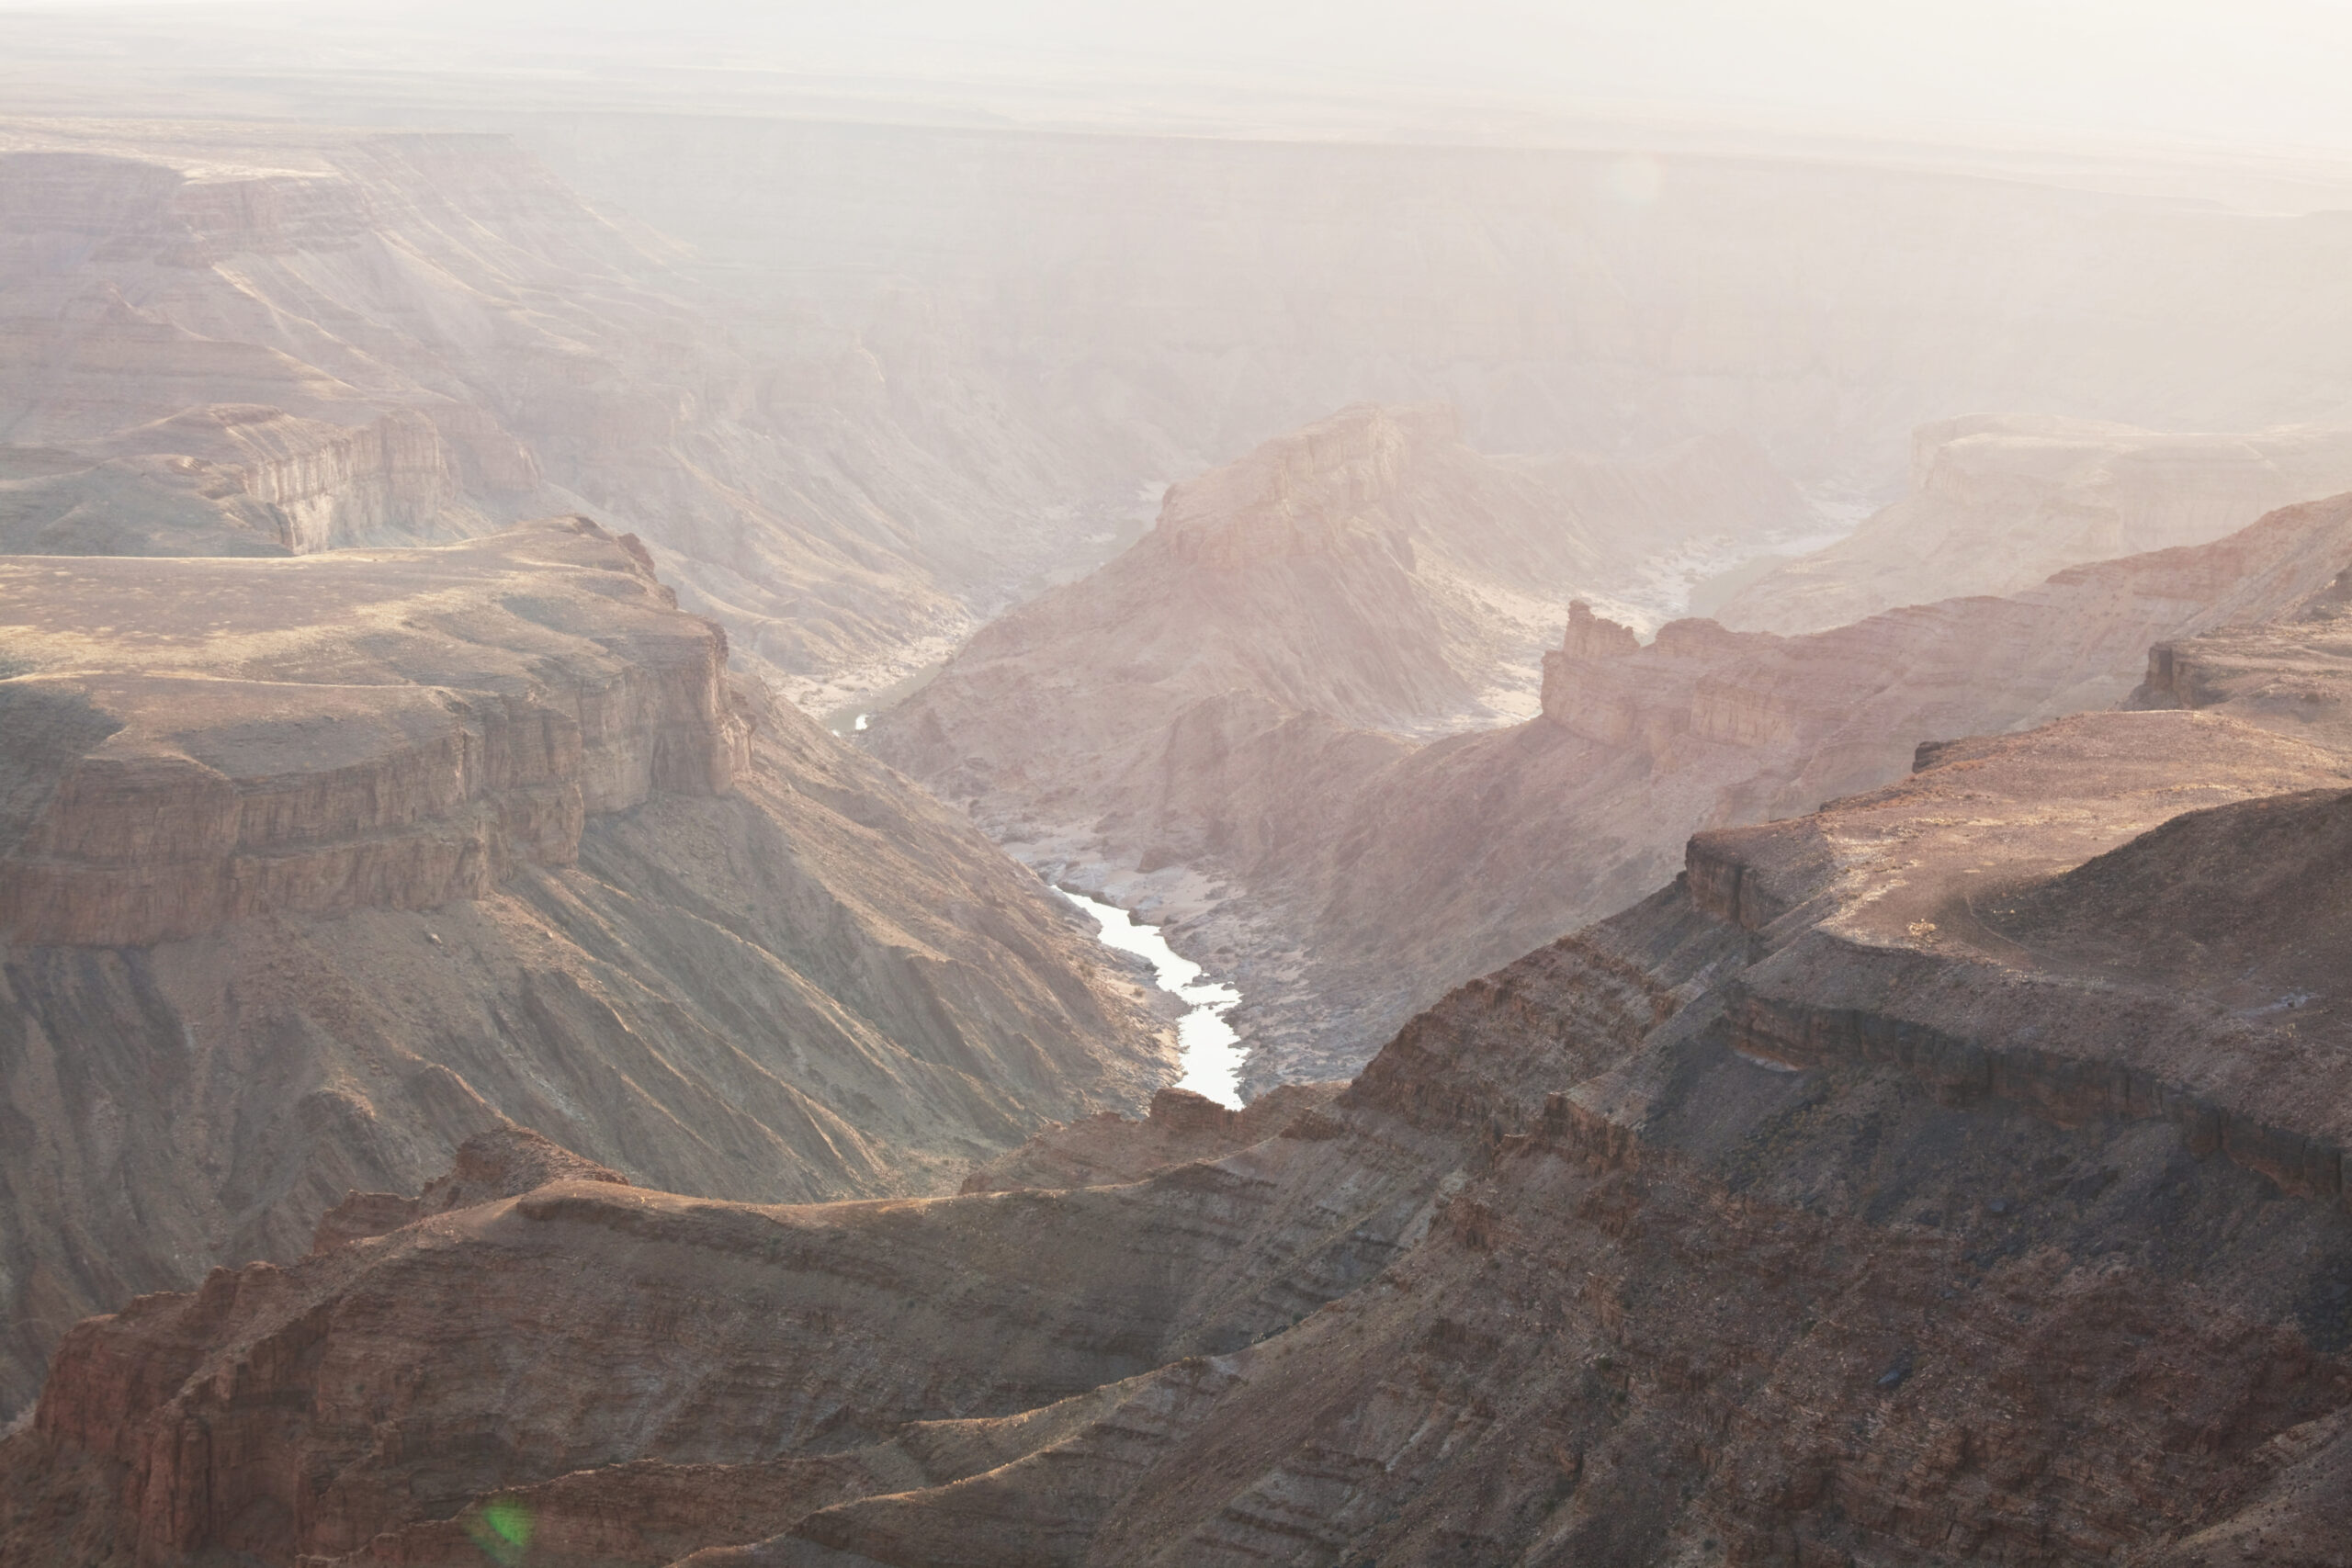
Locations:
503 1530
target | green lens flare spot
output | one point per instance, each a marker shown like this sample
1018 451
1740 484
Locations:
502 1530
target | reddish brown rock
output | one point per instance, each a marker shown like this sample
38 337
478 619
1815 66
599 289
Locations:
1265 792
1181 1127
297 736
311 868
1587 1267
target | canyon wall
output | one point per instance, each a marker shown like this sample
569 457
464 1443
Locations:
312 867
1821 300
240 339
218 794
1885 1189
1236 750
1370 572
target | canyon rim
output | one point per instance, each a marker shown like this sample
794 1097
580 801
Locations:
996 785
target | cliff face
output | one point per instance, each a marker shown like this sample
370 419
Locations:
1363 873
368 779
1704 727
1289 623
1370 572
239 339
1999 501
315 866
1888 1189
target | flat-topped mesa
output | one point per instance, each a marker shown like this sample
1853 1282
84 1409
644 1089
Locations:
386 729
1301 493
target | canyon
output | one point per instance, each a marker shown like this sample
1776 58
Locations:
1880 1188
1277 785
312 867
1760 724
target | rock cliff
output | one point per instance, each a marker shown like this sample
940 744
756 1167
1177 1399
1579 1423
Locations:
221 338
312 867
1346 876
295 737
1886 1190
1370 571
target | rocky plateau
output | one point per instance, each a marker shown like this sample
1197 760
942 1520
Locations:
313 866
1925 1178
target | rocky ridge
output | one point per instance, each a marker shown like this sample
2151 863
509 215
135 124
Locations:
1883 1190
1370 572
1346 874
314 866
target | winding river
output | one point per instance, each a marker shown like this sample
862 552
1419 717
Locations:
1208 1048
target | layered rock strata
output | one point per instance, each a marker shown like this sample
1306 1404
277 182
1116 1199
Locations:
223 338
1347 875
191 789
315 866
1600 1260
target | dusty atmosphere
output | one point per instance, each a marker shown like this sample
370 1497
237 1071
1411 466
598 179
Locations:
1026 784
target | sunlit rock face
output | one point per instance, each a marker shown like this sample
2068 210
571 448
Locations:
313 866
1999 501
1370 572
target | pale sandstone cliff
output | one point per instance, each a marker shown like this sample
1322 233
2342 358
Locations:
1881 1193
1999 501
314 866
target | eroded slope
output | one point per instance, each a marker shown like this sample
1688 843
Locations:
1830 1204
315 866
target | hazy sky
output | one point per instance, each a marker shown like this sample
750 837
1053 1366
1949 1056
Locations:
2261 72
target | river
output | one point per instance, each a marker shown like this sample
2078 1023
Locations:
1208 1048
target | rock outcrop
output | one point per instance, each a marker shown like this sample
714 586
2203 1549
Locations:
295 737
1347 875
1907 1183
1999 501
313 867
1369 572
1180 1128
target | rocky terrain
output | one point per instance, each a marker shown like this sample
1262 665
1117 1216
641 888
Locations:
1999 501
261 338
1368 568
313 866
1168 734
1921 1180
485 1076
